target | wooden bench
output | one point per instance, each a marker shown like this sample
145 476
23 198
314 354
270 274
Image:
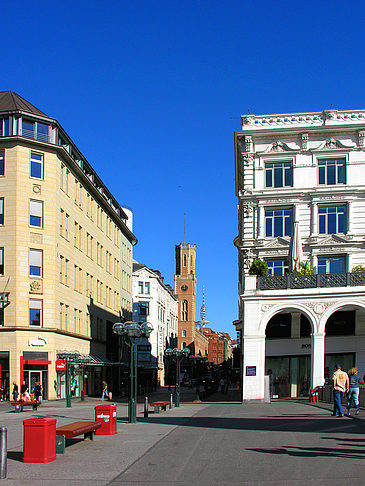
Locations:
22 403
159 405
75 429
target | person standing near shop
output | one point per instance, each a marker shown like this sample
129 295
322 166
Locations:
104 393
15 391
354 389
38 392
340 381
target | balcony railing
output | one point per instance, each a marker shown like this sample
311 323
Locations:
295 281
42 137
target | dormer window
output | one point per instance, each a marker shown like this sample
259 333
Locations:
35 130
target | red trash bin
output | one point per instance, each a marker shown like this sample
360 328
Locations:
107 416
39 440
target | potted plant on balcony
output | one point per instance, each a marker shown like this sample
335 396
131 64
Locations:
259 267
358 269
306 268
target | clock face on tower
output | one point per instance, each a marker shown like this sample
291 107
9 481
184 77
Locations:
184 288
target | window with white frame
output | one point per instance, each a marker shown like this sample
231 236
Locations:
277 267
35 312
1 260
333 264
36 165
2 162
278 222
4 127
140 287
332 219
332 171
36 213
36 130
1 210
147 288
279 174
35 262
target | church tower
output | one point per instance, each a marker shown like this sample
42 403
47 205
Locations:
185 289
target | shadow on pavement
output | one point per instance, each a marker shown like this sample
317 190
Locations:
299 424
314 452
15 455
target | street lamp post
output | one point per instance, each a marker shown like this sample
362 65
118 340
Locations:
130 331
177 355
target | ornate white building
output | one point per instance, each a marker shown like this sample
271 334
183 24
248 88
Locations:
155 302
309 168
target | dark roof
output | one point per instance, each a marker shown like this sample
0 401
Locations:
138 266
10 101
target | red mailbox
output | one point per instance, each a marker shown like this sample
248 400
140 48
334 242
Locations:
39 440
107 416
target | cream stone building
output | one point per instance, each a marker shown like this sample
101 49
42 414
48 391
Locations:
65 254
300 184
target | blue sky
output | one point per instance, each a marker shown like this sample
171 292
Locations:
151 93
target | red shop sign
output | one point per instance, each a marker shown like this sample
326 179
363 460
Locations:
60 365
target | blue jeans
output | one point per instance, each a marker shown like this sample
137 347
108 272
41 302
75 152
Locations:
104 394
353 395
337 406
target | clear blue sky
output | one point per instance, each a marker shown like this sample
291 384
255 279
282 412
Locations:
151 93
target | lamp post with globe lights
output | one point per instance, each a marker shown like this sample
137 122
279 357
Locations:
130 331
177 355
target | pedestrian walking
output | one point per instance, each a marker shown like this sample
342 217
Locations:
222 384
354 389
15 391
104 393
340 381
23 389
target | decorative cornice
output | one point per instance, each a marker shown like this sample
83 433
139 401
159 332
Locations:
290 120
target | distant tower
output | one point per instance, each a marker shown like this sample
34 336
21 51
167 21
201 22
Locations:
203 314
185 289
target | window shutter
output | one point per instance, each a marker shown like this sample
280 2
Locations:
36 208
35 258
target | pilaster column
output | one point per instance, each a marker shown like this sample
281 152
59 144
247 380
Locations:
317 368
314 219
349 217
253 349
260 222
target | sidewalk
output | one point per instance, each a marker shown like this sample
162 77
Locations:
285 443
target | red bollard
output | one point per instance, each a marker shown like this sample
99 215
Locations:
39 440
107 416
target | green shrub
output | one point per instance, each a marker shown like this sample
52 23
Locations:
306 268
259 267
358 269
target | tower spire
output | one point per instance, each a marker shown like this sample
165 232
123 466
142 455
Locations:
203 310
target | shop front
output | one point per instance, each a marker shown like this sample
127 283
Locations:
33 369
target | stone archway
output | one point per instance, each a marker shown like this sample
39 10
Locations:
343 325
288 350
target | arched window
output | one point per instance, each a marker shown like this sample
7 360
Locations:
184 260
183 333
184 310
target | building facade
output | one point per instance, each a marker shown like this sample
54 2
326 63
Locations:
302 171
219 346
155 302
65 249
185 288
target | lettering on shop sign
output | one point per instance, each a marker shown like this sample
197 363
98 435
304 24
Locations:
41 341
250 370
